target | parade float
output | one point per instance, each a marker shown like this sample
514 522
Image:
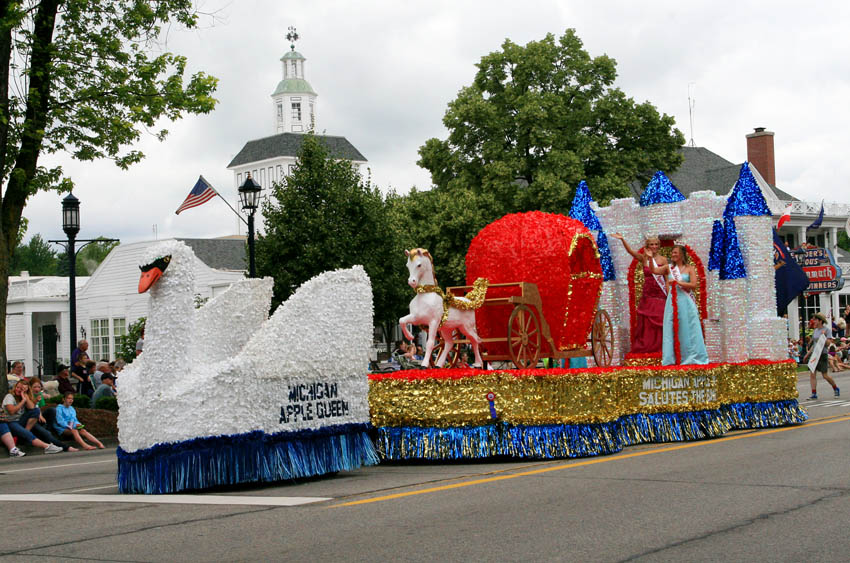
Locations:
556 289
225 394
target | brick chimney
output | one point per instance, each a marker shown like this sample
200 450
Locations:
760 154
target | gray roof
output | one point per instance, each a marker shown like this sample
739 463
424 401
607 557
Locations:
703 170
288 144
219 254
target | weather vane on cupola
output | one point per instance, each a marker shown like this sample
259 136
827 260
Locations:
292 36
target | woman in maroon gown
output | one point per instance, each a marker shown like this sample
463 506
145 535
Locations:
649 332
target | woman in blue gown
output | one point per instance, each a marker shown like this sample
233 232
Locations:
691 342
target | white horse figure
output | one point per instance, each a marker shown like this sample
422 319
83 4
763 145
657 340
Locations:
427 309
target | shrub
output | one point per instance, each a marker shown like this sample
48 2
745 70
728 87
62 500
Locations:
54 400
80 401
107 404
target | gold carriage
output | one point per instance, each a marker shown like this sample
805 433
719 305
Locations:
528 338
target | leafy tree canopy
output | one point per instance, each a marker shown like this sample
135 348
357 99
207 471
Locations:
444 222
39 258
540 118
85 77
90 257
323 217
36 257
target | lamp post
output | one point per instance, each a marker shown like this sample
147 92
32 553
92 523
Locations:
249 195
71 226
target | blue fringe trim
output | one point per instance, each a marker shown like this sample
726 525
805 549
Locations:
580 440
474 442
201 463
671 427
764 415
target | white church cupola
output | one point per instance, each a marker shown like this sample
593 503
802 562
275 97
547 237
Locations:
294 98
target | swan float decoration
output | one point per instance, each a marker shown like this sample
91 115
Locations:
224 394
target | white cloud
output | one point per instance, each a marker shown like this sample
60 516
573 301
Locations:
385 71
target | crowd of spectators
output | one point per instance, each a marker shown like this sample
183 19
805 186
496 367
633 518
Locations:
837 344
25 416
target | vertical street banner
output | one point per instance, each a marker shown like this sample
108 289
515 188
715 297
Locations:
790 278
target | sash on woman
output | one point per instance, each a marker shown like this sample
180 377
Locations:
683 340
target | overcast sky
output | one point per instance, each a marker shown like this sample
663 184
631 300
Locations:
385 72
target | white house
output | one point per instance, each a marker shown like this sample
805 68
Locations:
37 330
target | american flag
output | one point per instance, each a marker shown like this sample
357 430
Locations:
200 194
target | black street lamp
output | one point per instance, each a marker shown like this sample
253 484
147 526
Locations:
71 226
249 195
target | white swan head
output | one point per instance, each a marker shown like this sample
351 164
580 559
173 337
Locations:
152 271
165 266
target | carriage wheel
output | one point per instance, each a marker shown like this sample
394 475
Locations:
453 359
524 337
602 339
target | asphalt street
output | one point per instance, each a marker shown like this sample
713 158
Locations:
761 495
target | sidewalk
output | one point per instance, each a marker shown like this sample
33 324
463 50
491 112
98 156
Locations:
110 444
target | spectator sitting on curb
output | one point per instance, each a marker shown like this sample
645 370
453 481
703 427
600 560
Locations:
37 389
64 379
9 441
10 417
26 404
835 363
117 366
86 387
80 351
102 368
105 389
16 374
40 429
78 371
67 424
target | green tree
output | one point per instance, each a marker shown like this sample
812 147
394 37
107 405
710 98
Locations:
844 240
444 222
36 257
127 345
90 257
84 77
323 217
540 118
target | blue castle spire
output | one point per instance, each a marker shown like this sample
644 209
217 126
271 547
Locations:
581 210
746 197
715 255
660 190
732 266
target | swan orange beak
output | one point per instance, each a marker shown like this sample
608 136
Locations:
147 279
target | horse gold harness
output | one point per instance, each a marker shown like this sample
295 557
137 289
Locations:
471 301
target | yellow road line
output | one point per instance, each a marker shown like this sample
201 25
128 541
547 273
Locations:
593 461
